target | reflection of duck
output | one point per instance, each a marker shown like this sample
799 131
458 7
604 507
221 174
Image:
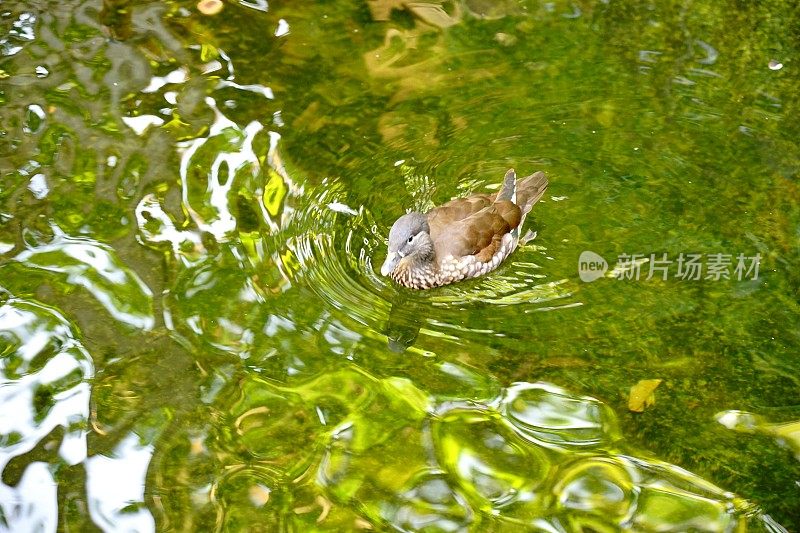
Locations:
406 318
464 238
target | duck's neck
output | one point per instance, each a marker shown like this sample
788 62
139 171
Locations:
416 273
420 270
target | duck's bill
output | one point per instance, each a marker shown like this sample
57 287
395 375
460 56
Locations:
391 262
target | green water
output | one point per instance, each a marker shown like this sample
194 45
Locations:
193 210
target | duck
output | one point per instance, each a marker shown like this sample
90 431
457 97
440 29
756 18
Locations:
462 239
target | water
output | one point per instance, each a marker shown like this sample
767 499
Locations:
193 333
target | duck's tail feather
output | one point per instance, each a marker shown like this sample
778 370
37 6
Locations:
529 190
508 191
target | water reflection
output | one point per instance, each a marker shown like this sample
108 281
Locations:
114 505
33 503
402 328
45 373
96 268
207 201
502 472
786 433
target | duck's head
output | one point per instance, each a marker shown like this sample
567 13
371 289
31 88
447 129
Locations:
410 245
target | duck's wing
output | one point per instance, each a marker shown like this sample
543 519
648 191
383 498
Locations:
475 225
477 234
461 208
458 209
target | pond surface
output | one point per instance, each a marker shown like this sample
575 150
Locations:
193 211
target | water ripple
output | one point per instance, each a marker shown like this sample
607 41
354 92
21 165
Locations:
95 267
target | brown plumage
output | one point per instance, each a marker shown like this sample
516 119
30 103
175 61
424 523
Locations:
463 238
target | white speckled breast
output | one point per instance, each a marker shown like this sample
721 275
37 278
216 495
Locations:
452 269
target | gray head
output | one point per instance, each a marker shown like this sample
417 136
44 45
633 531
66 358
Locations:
409 237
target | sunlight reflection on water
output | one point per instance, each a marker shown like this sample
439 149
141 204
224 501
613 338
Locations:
115 505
